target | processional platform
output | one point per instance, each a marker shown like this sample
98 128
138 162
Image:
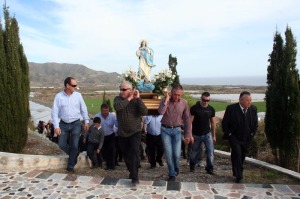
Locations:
151 101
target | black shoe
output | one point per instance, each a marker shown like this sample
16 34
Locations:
135 181
109 169
94 166
192 167
70 170
177 171
161 164
171 179
238 180
152 166
209 171
117 164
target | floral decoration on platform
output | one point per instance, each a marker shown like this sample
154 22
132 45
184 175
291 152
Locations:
132 77
161 81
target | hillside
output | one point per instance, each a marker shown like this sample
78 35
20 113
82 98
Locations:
53 74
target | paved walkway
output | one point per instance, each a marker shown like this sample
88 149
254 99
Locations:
40 184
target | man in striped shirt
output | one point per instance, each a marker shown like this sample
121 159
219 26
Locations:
130 109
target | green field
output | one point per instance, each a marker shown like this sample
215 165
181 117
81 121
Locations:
93 105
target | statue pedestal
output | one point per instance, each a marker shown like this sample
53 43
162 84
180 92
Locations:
151 101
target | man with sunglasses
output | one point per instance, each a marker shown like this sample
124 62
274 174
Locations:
69 107
204 131
130 109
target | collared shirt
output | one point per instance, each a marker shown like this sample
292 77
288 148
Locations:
108 123
68 108
242 108
153 124
176 114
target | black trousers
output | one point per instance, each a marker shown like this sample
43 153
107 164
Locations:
131 153
155 148
239 151
96 158
109 150
118 156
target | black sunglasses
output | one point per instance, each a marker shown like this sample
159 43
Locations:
73 85
124 89
204 100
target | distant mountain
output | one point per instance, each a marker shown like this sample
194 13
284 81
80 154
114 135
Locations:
53 74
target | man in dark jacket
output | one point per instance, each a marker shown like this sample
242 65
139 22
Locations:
239 126
130 108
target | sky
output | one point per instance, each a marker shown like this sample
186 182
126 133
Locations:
217 38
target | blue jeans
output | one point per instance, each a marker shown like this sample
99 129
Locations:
209 149
171 139
68 141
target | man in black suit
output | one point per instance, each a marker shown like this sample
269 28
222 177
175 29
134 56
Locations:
239 126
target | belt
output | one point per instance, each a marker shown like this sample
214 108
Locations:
70 122
170 127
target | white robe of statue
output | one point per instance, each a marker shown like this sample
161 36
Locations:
145 55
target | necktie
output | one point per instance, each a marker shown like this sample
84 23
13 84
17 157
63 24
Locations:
245 111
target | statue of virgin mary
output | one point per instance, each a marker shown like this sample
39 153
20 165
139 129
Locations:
145 54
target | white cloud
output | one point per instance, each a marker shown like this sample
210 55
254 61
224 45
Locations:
209 38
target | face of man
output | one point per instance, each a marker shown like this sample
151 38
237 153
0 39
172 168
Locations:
125 91
176 95
246 101
104 112
72 86
205 100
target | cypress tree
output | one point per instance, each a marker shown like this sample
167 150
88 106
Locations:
16 88
172 65
3 94
282 120
107 101
292 130
273 95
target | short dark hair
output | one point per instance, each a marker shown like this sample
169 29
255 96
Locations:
205 94
244 93
97 120
104 106
68 81
177 87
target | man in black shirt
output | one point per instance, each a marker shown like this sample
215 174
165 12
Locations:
204 130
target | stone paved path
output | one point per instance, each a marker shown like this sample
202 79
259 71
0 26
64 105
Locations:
40 184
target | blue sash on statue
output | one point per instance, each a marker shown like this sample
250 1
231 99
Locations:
145 87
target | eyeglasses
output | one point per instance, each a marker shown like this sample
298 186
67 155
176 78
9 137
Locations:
73 85
204 100
124 89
